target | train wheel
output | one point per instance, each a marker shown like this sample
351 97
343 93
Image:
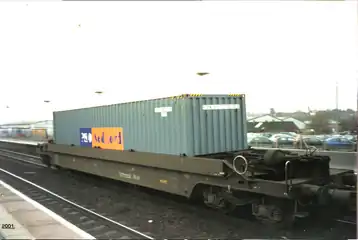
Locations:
215 198
278 212
222 206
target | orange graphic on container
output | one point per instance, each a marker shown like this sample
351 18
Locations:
39 132
108 138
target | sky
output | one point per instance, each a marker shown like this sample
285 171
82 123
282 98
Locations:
282 55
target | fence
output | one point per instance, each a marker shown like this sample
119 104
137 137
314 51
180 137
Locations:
302 145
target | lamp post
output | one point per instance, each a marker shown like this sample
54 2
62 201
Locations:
356 122
46 101
337 97
8 111
99 93
48 135
337 107
202 73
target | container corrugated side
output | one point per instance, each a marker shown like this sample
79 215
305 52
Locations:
219 128
143 128
185 128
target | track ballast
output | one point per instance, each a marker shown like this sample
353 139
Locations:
97 225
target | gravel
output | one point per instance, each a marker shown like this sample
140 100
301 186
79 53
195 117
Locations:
162 215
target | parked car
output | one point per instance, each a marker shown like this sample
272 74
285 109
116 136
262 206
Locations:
260 140
339 143
323 137
279 135
268 135
352 138
283 141
289 134
309 141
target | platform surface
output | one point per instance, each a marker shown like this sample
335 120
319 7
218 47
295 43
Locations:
23 218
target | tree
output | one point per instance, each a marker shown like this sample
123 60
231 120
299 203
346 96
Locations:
350 111
320 123
349 124
272 112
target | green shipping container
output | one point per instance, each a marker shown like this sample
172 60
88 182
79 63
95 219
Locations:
190 124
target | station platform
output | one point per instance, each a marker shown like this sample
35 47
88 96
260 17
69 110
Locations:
29 142
24 218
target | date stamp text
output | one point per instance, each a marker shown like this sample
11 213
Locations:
7 226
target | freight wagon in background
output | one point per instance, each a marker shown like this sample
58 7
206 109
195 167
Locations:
195 146
177 125
5 132
33 131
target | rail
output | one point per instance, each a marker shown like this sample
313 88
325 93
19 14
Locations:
91 222
22 157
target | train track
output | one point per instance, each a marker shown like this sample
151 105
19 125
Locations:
22 157
91 222
71 211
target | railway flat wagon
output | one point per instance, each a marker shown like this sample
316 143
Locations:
195 146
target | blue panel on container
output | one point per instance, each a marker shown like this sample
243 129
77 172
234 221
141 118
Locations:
86 137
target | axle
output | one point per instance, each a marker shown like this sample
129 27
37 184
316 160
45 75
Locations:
325 195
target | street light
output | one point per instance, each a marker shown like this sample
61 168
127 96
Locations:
202 73
100 99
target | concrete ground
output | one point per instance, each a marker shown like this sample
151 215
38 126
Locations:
20 218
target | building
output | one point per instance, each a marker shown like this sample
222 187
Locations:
332 125
301 125
272 127
42 124
277 121
264 118
23 124
30 125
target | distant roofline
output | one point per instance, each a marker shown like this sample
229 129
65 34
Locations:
24 123
264 116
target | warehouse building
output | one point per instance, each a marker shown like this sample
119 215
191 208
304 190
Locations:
271 123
